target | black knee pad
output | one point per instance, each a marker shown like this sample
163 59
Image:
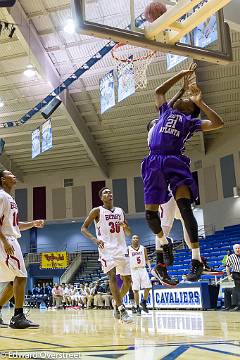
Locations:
185 208
153 221
190 222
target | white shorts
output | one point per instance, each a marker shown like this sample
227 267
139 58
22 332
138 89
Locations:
121 263
169 211
140 279
11 266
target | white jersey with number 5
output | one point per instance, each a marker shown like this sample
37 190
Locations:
110 232
8 216
137 257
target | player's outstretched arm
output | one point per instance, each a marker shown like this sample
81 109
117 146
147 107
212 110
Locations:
187 80
214 121
30 224
163 89
93 215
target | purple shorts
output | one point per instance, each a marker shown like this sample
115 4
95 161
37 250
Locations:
161 172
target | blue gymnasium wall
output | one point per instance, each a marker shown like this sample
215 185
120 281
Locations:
24 241
60 237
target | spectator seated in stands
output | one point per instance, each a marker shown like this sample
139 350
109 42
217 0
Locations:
75 297
83 295
90 296
38 290
106 295
37 296
66 295
57 294
47 294
98 300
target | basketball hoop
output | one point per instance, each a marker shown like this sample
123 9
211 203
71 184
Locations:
140 58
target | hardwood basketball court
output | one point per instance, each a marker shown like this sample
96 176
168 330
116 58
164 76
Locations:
94 334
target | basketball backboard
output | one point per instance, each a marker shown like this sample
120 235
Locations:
123 21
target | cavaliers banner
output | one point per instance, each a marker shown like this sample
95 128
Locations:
54 260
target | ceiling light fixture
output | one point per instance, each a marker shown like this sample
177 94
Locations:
29 71
69 26
1 103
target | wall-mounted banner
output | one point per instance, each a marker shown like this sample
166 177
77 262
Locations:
46 135
54 260
126 80
107 93
36 145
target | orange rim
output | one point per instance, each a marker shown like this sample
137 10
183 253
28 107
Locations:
124 60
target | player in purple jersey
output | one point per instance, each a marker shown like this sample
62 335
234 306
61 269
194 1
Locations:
167 166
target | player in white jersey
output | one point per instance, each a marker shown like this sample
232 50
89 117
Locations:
140 280
168 212
12 267
111 226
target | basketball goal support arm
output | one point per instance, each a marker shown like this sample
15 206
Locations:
168 21
139 40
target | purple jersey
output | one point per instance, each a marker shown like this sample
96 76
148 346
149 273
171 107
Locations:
171 131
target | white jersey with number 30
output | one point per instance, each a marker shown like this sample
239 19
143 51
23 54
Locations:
8 215
137 257
110 232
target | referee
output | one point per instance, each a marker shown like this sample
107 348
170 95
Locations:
233 262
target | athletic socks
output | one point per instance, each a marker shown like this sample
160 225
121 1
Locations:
163 240
196 254
121 307
18 311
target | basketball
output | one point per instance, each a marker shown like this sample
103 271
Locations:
154 10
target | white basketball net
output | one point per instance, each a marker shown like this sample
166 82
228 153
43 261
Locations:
140 58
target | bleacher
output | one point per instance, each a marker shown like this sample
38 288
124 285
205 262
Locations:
213 248
90 269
